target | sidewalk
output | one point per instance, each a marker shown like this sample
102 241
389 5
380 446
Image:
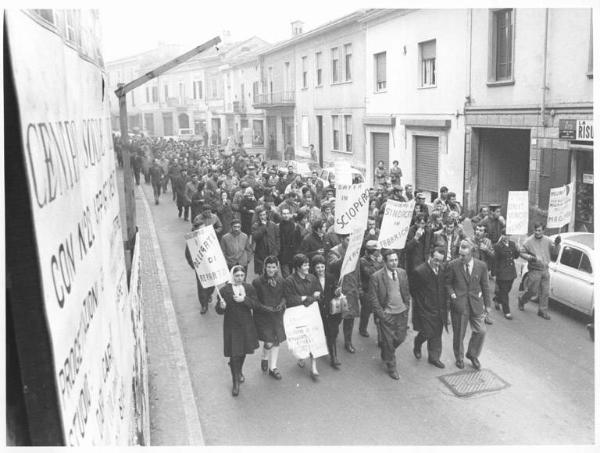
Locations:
173 413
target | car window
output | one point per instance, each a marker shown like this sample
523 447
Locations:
585 265
571 257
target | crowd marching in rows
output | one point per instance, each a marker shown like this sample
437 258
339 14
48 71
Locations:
283 223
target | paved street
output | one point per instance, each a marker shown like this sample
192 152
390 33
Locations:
548 364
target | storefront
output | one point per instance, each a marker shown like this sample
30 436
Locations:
580 136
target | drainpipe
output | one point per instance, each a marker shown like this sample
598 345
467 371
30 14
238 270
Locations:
467 187
544 87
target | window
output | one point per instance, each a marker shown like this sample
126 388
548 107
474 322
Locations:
257 132
154 95
427 63
335 65
133 98
46 14
181 93
72 23
585 265
590 71
571 257
197 85
335 127
305 138
270 82
304 73
319 69
380 76
147 95
286 76
166 91
348 132
502 44
348 62
255 91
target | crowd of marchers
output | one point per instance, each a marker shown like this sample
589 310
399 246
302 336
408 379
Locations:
284 223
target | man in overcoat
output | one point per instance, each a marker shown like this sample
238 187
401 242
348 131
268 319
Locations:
429 306
467 286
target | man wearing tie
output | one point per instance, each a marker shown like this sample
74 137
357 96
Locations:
468 288
429 308
389 298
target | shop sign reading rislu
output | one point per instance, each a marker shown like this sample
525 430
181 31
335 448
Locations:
579 130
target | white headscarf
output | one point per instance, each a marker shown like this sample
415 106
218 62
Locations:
237 288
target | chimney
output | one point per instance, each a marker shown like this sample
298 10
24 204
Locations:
297 27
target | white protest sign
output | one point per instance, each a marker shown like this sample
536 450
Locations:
209 262
352 252
560 206
304 331
517 212
395 224
351 207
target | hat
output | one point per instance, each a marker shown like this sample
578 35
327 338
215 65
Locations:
236 221
251 167
371 245
494 206
205 207
421 195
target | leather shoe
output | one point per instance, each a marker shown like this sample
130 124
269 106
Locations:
204 309
546 316
417 351
488 320
314 376
264 365
474 362
508 316
349 348
275 374
241 378
363 333
437 363
460 364
393 372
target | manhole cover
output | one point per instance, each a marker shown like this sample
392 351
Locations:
469 383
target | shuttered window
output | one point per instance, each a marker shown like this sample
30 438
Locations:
426 163
381 149
380 71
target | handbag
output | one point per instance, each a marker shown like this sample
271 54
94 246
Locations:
338 305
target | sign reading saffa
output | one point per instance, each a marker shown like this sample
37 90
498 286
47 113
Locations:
517 212
67 148
207 256
351 207
560 206
395 224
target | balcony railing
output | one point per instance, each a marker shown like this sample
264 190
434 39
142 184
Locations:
239 107
281 98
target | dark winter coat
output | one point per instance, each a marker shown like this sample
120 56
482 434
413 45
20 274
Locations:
239 332
247 205
290 240
417 251
429 300
266 238
504 260
268 312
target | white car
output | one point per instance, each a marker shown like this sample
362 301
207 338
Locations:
572 273
324 174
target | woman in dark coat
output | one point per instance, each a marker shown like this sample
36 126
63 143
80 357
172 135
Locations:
225 212
268 314
327 287
505 253
239 333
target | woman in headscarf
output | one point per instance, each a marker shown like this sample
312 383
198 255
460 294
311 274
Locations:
268 314
239 332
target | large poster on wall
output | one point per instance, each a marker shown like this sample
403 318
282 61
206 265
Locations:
95 325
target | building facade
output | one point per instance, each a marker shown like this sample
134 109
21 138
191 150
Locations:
529 111
415 91
312 91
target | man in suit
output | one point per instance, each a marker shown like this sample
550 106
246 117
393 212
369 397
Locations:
429 308
389 298
468 288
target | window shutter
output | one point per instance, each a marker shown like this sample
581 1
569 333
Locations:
428 50
381 67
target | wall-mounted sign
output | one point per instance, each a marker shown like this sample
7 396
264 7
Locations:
585 131
588 178
567 129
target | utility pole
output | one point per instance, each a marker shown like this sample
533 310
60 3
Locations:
121 92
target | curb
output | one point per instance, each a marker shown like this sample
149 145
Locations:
195 435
